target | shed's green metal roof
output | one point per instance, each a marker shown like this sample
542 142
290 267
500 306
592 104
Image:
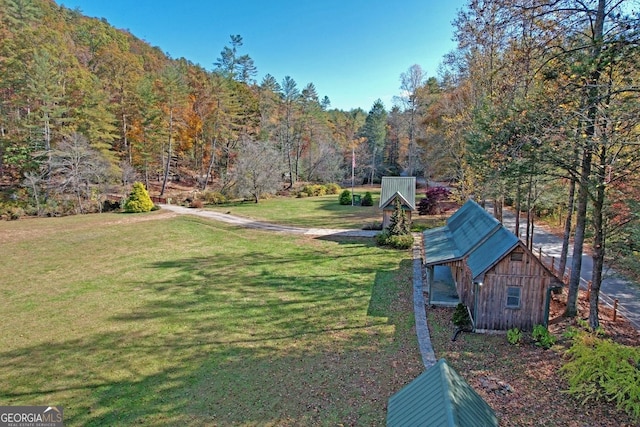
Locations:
496 246
439 397
405 186
466 231
470 225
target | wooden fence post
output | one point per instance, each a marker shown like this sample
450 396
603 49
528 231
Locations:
615 309
588 290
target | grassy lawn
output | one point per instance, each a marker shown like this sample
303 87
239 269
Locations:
159 320
311 212
318 212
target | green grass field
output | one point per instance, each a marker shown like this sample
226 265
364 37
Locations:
310 212
319 212
158 320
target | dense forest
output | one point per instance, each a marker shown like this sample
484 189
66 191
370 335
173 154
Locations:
537 107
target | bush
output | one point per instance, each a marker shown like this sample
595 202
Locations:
461 317
111 206
196 203
404 241
542 336
429 204
214 198
332 188
602 369
514 336
139 200
345 197
367 200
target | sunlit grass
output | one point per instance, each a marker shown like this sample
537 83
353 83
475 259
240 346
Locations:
152 320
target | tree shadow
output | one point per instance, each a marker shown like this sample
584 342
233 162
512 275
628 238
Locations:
207 347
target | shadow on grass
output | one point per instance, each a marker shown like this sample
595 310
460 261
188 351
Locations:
279 345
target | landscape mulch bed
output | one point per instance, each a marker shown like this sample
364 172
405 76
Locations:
523 383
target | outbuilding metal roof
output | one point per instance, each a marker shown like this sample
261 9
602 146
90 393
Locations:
500 243
470 232
404 186
439 397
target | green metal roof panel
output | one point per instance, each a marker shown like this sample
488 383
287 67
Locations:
487 254
439 397
439 246
403 185
466 229
470 225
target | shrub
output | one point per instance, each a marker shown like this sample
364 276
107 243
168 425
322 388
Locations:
429 204
111 206
345 197
602 369
404 241
367 200
542 336
332 188
214 198
196 203
373 226
461 317
514 336
314 190
139 200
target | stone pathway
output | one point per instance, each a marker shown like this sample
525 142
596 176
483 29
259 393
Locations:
419 307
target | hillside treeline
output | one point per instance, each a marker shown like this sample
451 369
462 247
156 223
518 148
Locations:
84 105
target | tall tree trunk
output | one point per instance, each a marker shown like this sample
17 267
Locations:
593 100
169 149
578 241
211 163
529 237
567 229
518 205
598 243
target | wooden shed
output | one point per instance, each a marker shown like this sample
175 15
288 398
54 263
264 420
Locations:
494 274
397 187
439 397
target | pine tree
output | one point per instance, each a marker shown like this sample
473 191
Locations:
398 226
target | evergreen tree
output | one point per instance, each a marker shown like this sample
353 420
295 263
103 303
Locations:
399 225
139 200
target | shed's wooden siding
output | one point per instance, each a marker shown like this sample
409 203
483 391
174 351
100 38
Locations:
530 276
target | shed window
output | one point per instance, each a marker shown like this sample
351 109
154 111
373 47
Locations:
517 256
513 297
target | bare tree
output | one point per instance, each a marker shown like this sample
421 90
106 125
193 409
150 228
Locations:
78 169
258 170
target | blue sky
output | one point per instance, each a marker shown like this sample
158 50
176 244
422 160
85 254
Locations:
353 51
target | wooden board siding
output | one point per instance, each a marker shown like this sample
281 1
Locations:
489 308
492 298
533 280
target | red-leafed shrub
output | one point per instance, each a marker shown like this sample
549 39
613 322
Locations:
429 204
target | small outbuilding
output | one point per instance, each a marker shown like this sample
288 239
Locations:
439 397
475 260
397 187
